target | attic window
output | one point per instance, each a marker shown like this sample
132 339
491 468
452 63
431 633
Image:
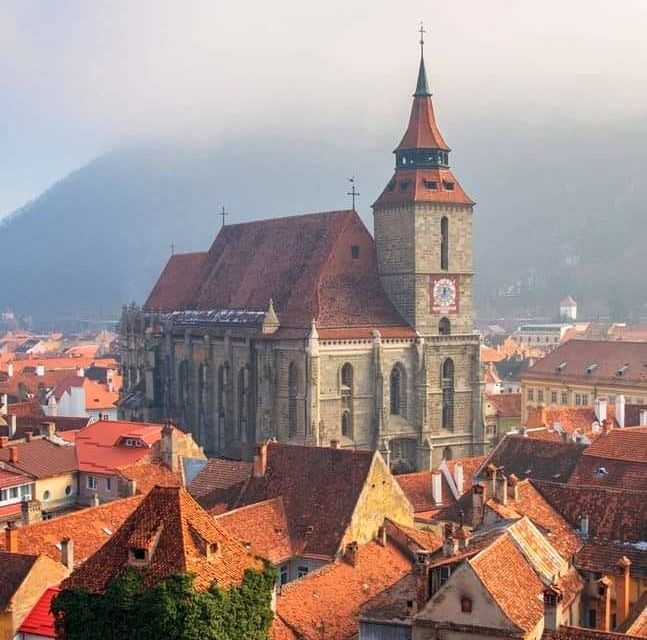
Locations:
591 368
448 186
562 366
466 605
391 186
432 185
623 369
354 251
138 554
404 185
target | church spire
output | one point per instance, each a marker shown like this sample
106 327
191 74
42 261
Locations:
422 87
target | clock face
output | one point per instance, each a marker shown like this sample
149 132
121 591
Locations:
444 293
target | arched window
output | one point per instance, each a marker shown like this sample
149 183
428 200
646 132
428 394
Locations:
242 398
397 391
444 243
347 378
183 383
448 393
444 327
447 453
222 381
346 424
293 385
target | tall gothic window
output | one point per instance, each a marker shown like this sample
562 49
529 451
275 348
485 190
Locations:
397 391
448 393
221 389
346 388
293 386
444 327
242 398
444 243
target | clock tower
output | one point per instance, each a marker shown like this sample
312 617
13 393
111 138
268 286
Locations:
423 236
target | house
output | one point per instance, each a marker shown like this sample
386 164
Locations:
167 533
325 496
579 371
108 452
502 414
23 579
15 489
81 397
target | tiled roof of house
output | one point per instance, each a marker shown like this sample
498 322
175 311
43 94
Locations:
263 526
100 446
578 633
507 405
488 354
410 185
280 631
616 361
327 603
613 514
14 568
219 483
9 478
540 512
303 476
601 556
88 528
29 408
303 263
40 621
149 474
99 396
41 458
179 536
534 458
636 622
35 425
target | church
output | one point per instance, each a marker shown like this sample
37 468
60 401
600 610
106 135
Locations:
310 330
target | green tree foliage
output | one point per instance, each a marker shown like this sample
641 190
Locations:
172 609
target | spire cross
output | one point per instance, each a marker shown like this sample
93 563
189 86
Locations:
172 248
422 32
353 193
222 214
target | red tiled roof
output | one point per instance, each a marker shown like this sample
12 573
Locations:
409 185
10 478
219 483
40 621
613 514
601 556
88 528
177 532
41 458
609 356
14 569
578 633
629 445
98 448
570 419
507 405
303 263
29 408
178 282
488 354
327 603
263 526
422 131
148 474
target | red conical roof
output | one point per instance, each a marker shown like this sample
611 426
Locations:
422 132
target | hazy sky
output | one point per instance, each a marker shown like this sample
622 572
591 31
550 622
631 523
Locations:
78 77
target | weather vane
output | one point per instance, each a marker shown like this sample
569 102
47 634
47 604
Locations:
222 214
353 193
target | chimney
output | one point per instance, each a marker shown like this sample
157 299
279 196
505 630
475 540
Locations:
67 553
170 456
491 473
437 487
623 592
601 409
450 543
620 411
552 608
643 418
260 460
501 487
478 504
48 429
513 487
11 537
4 404
4 442
584 525
80 372
459 478
381 535
10 369
603 609
131 487
351 553
421 571
28 436
13 455
463 538
12 425
52 408
31 511
40 370
334 444
95 500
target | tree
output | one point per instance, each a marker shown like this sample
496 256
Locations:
171 609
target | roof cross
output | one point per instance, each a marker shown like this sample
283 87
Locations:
353 193
222 214
422 32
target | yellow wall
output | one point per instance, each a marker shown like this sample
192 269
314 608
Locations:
56 486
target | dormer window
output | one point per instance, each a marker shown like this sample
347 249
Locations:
138 555
404 185
354 251
432 185
391 186
448 186
623 369
591 368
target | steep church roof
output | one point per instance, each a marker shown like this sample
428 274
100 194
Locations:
320 266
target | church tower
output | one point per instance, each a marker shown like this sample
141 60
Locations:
423 236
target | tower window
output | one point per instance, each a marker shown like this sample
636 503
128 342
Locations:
444 327
292 400
404 185
432 185
397 391
444 243
448 186
354 251
447 375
